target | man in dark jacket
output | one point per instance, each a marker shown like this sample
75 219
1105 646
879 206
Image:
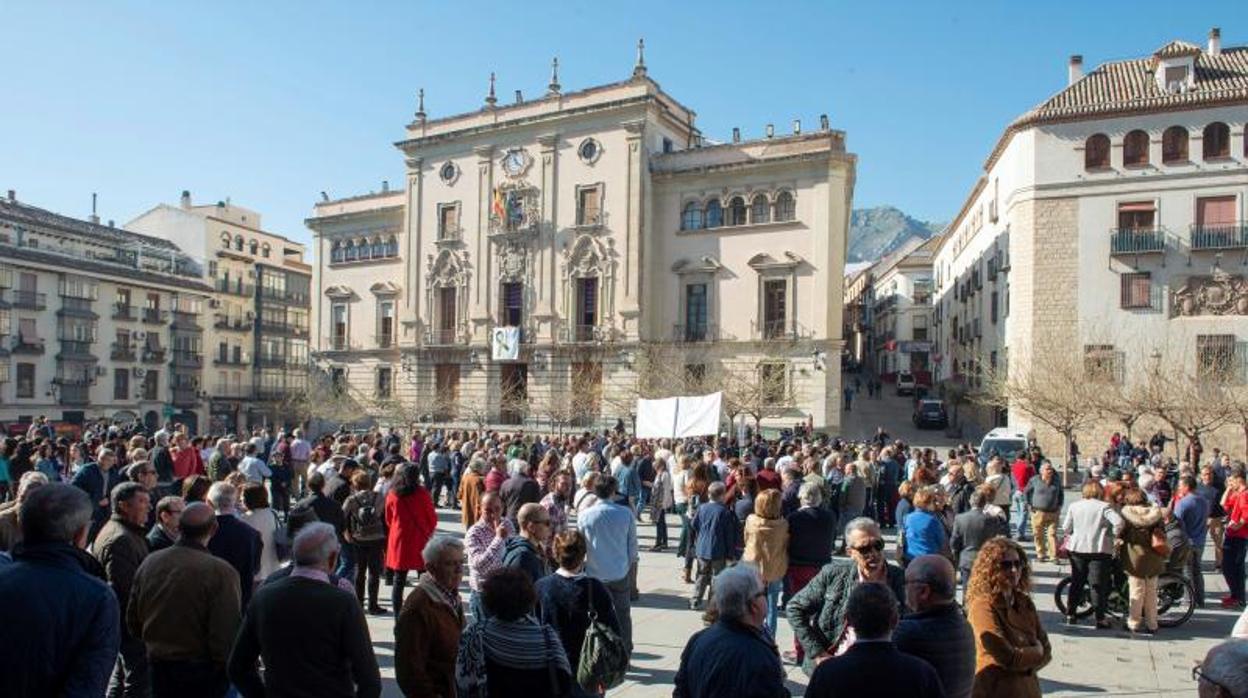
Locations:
936 631
524 550
61 623
235 541
168 515
311 635
734 656
518 490
973 528
873 666
97 480
163 460
715 542
120 547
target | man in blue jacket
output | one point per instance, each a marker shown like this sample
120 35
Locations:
63 624
715 534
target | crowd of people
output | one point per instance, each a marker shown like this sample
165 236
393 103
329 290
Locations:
166 564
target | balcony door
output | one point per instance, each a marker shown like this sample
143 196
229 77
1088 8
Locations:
775 302
695 312
1140 215
586 307
512 296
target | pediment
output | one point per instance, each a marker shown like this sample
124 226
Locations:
698 265
763 260
340 293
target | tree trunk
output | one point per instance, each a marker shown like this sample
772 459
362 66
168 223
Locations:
1068 435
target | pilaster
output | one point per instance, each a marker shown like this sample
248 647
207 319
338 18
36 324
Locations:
630 307
544 254
483 261
413 288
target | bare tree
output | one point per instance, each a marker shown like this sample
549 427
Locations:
1197 397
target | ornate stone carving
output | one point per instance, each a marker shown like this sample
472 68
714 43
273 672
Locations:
512 260
1218 294
515 208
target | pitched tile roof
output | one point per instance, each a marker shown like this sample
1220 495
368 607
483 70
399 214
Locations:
1177 48
33 215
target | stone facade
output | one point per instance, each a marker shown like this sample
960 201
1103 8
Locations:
606 230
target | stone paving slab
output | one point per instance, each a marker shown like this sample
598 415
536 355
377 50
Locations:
1085 661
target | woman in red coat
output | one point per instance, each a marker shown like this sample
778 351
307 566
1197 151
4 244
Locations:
410 523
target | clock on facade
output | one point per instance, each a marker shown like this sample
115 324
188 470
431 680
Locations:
515 162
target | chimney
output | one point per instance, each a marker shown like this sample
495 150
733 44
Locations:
385 186
519 97
186 199
797 127
736 134
1215 42
13 195
94 218
771 130
1074 73
110 223
823 122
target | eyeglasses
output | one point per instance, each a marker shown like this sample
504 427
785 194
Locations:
1011 564
874 546
1198 675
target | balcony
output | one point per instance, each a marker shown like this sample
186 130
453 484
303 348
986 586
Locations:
155 316
583 334
771 330
284 296
269 392
77 307
268 361
384 341
340 343
442 337
235 288
228 359
152 355
187 359
122 352
283 328
186 321
77 394
185 397
1232 236
238 324
124 311
453 233
74 348
30 300
232 392
1133 241
28 345
698 332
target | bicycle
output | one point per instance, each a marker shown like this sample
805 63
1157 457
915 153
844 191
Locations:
1175 599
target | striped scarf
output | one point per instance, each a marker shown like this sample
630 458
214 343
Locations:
521 644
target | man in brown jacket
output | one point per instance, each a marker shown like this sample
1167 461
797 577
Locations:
184 605
120 547
428 629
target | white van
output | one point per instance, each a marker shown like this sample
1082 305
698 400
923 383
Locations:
1004 442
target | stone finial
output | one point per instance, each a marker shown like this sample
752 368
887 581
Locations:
490 99
420 106
554 86
639 68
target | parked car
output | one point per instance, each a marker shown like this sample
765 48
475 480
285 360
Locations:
905 383
1004 442
930 413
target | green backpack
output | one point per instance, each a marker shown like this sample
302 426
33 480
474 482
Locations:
604 655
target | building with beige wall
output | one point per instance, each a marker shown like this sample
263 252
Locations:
1109 220
257 338
901 311
620 243
97 322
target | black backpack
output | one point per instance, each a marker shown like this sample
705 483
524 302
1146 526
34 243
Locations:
366 524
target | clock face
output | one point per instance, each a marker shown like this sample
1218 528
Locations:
513 162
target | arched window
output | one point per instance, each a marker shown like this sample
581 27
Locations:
714 214
392 247
1096 152
1135 148
786 207
691 217
379 248
335 253
736 211
1217 142
238 242
1174 145
225 240
265 250
351 254
254 247
760 209
366 252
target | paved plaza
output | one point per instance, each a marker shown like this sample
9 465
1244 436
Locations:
1085 662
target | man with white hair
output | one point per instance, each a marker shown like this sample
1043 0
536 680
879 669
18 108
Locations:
235 542
429 626
98 479
734 656
519 489
300 455
1222 674
310 633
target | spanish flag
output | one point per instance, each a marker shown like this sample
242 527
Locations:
499 207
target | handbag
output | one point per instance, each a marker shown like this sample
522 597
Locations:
604 656
281 539
1158 542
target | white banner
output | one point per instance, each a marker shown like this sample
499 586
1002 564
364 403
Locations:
506 343
678 417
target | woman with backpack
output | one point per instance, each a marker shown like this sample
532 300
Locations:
410 522
366 530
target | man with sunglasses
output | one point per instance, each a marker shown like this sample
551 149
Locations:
1222 674
817 612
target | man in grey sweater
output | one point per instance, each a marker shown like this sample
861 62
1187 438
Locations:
1045 497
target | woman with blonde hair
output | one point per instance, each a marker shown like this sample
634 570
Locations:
767 546
1010 643
923 531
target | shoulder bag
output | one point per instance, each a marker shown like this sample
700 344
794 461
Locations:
604 656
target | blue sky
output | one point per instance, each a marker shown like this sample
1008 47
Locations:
271 103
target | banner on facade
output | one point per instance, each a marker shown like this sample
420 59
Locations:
679 417
505 342
915 347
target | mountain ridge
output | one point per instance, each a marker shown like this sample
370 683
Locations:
875 232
